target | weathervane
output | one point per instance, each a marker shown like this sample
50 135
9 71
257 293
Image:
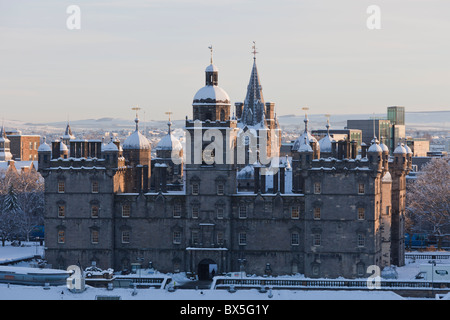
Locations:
254 50
211 48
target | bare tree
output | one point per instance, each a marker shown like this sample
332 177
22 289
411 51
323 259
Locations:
429 199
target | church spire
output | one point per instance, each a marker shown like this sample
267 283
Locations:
254 109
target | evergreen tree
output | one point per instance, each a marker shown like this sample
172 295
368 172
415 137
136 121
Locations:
11 204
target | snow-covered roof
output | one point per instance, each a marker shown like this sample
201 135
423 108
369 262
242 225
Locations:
211 68
305 138
325 143
111 146
384 147
136 141
408 149
387 177
400 149
44 147
246 173
169 142
211 95
375 147
63 147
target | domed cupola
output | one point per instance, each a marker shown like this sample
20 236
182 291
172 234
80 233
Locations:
5 149
169 145
305 138
211 102
326 143
136 141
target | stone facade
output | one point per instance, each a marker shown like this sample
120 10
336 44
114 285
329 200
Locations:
321 217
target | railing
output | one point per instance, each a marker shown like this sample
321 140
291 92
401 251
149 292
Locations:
248 283
427 256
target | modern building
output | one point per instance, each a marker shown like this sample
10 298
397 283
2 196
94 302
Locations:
198 211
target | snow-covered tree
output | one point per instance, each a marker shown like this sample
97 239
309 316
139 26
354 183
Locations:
429 199
21 203
11 203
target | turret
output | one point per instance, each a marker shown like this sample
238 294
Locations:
111 154
374 154
400 157
44 155
385 156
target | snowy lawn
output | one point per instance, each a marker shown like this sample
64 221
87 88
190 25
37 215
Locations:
15 292
10 253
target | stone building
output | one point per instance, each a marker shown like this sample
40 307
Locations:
203 213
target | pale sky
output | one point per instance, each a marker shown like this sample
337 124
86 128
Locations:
315 53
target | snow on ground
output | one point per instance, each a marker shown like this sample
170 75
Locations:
10 253
17 292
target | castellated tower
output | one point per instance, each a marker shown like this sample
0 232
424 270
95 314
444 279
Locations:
80 183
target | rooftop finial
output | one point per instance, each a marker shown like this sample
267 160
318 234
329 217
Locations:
169 123
254 50
328 123
306 118
211 49
137 118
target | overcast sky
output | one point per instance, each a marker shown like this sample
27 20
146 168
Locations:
153 54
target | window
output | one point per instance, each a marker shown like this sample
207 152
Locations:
317 188
195 211
94 236
125 236
242 238
220 213
361 188
126 210
94 186
295 212
61 187
361 214
61 236
317 213
31 145
195 189
361 240
195 237
360 269
176 237
177 210
242 211
220 238
295 239
61 211
220 189
94 211
317 239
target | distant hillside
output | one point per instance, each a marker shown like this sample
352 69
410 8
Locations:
426 120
